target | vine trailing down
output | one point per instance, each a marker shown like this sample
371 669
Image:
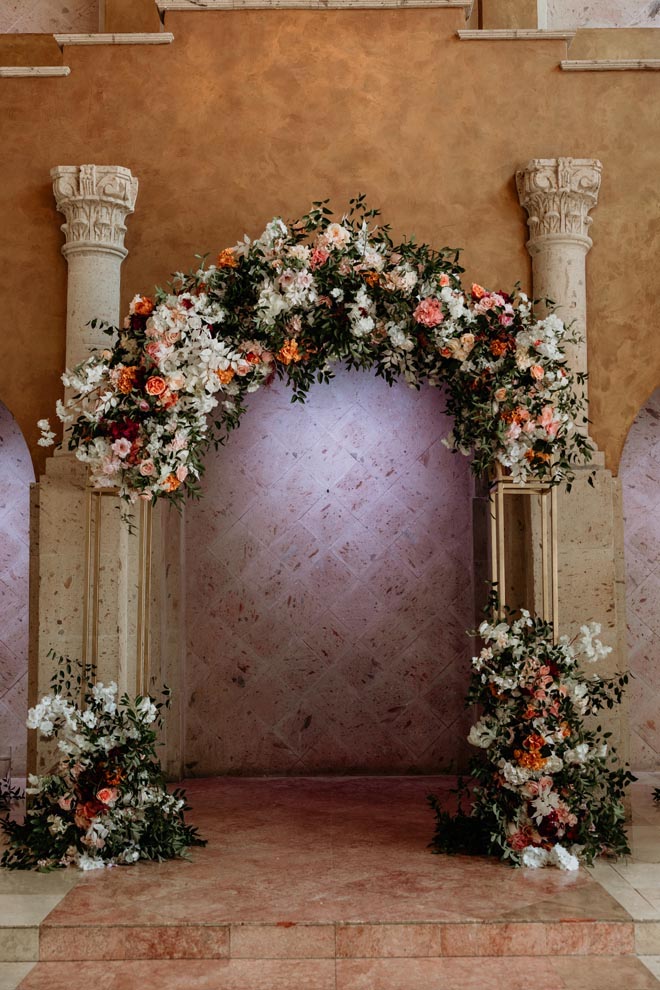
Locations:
291 304
105 803
547 791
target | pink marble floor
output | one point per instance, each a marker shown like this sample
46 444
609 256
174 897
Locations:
319 868
605 973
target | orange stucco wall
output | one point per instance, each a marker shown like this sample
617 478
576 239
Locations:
250 114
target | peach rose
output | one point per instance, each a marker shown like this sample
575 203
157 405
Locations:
478 291
537 372
182 472
155 385
147 468
107 795
444 279
500 394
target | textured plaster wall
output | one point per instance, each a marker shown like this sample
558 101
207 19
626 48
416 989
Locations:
330 587
16 474
640 477
221 143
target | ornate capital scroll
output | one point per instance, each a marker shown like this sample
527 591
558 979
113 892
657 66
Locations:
558 194
95 199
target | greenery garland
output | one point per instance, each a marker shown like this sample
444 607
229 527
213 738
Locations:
291 304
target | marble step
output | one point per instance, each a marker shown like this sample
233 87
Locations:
484 973
98 942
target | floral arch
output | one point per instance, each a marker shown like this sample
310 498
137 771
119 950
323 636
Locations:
293 302
290 304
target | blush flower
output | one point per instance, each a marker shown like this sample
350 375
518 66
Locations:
429 312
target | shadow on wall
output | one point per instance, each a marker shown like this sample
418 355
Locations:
640 478
16 475
329 587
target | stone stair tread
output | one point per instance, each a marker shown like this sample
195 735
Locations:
484 973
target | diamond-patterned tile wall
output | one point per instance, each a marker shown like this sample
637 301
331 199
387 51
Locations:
640 476
329 588
15 476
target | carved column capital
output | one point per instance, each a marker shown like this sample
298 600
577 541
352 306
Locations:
558 194
95 199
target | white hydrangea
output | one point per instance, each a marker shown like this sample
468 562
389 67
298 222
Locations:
86 862
561 857
535 858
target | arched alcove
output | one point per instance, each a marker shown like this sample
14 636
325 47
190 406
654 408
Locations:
16 475
640 477
329 587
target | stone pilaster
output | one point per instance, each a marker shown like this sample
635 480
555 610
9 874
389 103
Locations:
95 200
558 194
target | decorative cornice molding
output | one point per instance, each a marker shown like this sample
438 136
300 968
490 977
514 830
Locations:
95 199
33 71
199 5
515 34
558 194
151 38
611 65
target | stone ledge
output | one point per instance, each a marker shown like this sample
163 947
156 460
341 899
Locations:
154 38
515 34
611 65
7 71
200 5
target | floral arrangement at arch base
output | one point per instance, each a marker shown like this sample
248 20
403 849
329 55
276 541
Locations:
106 803
292 303
548 790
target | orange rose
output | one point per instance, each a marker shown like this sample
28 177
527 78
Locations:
478 291
155 385
530 761
126 380
372 278
535 741
143 306
289 352
171 483
226 259
226 375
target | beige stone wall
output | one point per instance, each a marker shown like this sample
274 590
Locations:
42 16
640 478
16 474
570 14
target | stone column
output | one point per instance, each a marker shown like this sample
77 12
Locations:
99 591
558 194
95 199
